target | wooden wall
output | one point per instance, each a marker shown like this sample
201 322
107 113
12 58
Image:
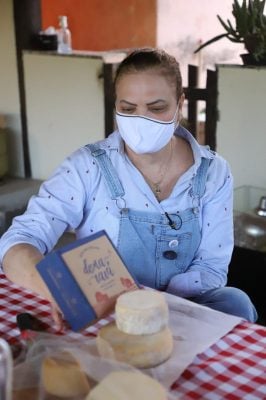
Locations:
106 24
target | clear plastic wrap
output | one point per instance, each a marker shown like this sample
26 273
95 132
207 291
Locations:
28 376
194 329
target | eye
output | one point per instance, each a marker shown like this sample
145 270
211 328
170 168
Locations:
127 110
157 110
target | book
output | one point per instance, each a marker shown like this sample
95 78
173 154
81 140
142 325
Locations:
85 278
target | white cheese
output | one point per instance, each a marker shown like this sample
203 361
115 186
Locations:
61 376
141 312
140 351
127 385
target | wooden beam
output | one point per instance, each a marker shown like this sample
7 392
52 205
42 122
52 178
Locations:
108 70
195 93
27 21
192 103
211 109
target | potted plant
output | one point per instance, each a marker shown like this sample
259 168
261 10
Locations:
249 29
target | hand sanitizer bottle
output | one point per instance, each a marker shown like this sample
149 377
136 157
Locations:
64 36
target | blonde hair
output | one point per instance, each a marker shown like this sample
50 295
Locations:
149 58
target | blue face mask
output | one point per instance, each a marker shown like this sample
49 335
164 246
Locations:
143 134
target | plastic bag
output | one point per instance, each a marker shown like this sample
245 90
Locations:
28 376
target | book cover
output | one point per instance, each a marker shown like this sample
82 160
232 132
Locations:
85 278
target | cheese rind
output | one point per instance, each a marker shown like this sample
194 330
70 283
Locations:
141 312
61 376
127 385
140 351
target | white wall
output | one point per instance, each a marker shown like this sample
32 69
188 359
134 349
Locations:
65 107
9 94
182 24
241 129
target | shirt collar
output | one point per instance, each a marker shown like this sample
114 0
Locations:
199 151
113 142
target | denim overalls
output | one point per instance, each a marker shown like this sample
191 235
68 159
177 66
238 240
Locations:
155 246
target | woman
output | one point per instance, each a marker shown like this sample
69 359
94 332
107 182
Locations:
164 200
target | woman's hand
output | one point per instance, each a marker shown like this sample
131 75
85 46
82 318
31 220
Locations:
19 265
57 317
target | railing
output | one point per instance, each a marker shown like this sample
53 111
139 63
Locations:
209 95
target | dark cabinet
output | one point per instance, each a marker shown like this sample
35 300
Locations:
247 271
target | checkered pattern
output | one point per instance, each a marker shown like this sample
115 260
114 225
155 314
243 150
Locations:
234 368
15 300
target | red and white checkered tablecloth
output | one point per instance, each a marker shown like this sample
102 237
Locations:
233 368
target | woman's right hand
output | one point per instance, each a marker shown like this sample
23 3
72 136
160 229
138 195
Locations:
19 265
57 317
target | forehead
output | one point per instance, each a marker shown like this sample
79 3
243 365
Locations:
150 82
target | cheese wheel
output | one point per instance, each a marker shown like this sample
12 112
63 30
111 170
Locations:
140 351
62 377
141 312
127 385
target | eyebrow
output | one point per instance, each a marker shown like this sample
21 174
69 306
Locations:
148 104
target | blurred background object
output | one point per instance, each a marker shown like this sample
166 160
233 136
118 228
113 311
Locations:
3 148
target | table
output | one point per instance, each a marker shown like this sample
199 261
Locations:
234 368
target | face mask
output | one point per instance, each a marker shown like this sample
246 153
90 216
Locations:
143 134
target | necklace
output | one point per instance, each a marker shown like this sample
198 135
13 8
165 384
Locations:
156 186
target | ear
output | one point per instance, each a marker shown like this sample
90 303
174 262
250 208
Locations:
181 102
180 106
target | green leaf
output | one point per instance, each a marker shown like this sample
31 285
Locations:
226 27
211 41
249 27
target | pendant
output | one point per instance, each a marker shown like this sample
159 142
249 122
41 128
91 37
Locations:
157 189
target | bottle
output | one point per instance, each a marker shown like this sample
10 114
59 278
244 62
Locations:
6 368
64 36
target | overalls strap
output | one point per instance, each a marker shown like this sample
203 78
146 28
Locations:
199 182
110 175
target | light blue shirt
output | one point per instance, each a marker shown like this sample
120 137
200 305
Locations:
76 198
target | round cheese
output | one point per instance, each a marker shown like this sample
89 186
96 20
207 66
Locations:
141 312
121 385
61 376
141 351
